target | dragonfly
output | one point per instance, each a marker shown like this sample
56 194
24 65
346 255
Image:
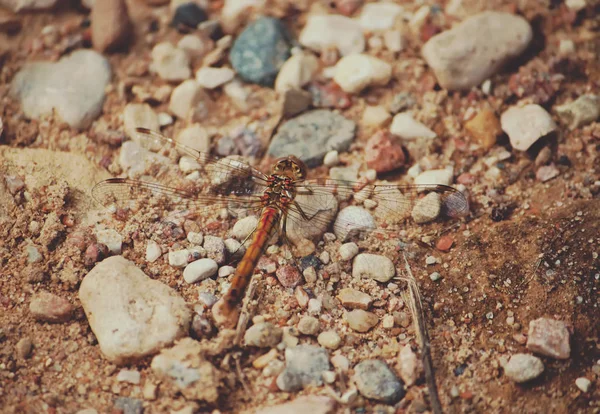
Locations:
288 203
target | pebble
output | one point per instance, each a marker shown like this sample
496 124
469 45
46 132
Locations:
170 63
379 16
111 239
375 380
188 16
393 40
526 124
311 135
25 5
33 254
110 25
308 325
387 322
263 335
329 340
136 115
164 119
406 127
523 367
131 376
361 321
384 153
352 220
408 365
127 332
296 101
441 176
324 31
314 306
47 307
484 128
185 97
313 404
582 111
373 266
583 384
195 46
375 116
331 159
215 249
296 72
199 270
546 173
244 227
289 276
188 164
74 87
260 51
435 276
24 347
476 49
427 208
348 251
304 366
194 137
211 78
179 258
549 337
354 299
129 405
226 271
358 71
184 366
207 299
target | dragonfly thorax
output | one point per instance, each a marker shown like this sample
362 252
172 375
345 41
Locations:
280 191
291 167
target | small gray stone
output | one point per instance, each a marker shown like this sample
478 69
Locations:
373 266
475 49
305 365
582 111
361 321
200 270
523 367
73 87
215 248
260 50
129 405
352 221
329 339
311 135
308 325
427 208
263 335
375 380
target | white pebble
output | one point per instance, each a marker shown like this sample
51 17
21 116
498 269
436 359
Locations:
329 340
331 159
170 63
375 116
323 31
328 377
406 127
153 251
129 375
225 271
211 78
164 119
352 220
296 72
179 258
188 164
195 238
355 72
442 176
435 276
583 384
314 306
373 266
525 125
348 251
393 40
184 97
430 260
379 16
200 270
427 208
111 239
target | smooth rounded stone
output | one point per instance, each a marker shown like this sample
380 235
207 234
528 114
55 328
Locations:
308 325
131 315
244 227
195 238
331 159
261 50
135 159
215 248
324 31
546 173
131 376
140 115
315 306
111 239
48 307
329 340
375 116
476 49
523 367
549 337
379 16
74 87
361 321
354 299
289 276
526 124
188 164
188 16
170 63
352 220
375 380
211 78
194 137
263 335
164 119
582 111
384 153
406 127
393 40
356 72
179 258
373 266
195 46
199 270
153 251
313 404
296 72
226 271
24 347
441 176
348 251
484 128
185 97
311 135
110 25
583 384
129 405
435 276
427 208
304 366
188 371
409 365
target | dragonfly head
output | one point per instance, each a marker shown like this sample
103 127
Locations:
291 167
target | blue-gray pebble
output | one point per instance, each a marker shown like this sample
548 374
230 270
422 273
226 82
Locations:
375 380
260 50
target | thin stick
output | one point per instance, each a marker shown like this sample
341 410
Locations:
240 329
413 298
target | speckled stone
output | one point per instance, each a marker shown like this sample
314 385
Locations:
375 380
260 50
